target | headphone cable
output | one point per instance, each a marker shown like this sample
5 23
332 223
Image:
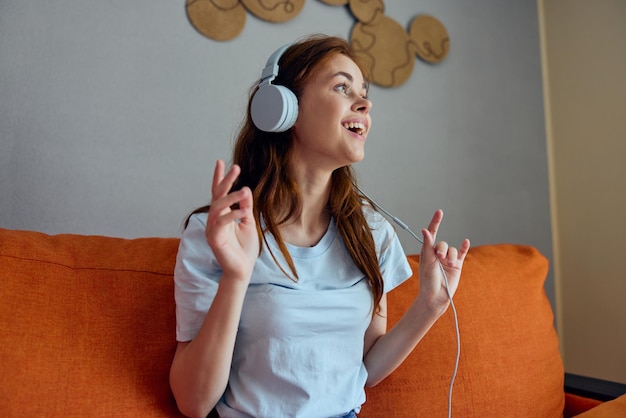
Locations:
447 287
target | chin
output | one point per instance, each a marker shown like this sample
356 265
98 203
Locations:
357 159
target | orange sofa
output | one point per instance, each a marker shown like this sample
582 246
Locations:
87 326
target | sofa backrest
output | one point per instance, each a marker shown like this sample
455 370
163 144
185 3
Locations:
510 364
87 326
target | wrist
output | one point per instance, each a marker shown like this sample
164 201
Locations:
235 281
430 307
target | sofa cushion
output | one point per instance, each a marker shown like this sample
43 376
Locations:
510 363
87 325
612 409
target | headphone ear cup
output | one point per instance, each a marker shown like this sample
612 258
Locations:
274 108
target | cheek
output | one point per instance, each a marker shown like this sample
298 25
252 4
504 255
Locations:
316 114
311 118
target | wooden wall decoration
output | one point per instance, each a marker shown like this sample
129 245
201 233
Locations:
384 45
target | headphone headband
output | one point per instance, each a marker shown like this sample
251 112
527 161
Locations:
270 71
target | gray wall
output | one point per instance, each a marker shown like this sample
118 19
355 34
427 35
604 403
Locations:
112 114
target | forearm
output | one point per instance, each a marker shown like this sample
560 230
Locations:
392 348
200 370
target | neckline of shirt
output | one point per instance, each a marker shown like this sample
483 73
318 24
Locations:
309 252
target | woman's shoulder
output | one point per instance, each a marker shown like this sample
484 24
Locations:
373 217
197 218
193 240
382 230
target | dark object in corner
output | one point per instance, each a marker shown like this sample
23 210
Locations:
590 387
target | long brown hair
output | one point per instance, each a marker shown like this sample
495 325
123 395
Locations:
264 159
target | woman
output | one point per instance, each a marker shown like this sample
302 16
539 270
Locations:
281 280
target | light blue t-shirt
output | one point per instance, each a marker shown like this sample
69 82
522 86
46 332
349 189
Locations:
299 347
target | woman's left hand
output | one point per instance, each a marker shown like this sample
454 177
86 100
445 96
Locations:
433 259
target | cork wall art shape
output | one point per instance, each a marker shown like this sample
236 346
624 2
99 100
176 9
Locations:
385 46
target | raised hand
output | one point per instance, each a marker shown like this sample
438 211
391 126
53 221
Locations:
433 259
231 232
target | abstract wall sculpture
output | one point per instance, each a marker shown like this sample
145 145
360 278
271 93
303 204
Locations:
386 47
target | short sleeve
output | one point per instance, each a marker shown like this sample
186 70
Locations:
196 278
394 266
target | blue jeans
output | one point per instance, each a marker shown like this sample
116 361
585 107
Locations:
350 414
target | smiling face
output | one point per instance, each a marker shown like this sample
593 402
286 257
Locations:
333 119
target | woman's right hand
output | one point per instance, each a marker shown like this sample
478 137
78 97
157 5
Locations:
232 233
201 367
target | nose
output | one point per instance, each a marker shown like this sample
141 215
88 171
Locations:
362 105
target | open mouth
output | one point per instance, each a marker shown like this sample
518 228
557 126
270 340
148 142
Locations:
356 127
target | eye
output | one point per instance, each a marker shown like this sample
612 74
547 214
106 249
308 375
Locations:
343 88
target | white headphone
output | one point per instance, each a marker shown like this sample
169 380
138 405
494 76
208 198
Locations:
274 108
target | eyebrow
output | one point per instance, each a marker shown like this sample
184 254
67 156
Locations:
349 77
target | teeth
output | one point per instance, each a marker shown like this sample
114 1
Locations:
357 127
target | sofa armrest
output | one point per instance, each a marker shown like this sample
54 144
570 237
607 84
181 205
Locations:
585 395
588 387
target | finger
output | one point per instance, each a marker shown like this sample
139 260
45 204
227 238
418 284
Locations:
223 183
234 216
465 246
232 175
433 226
218 175
452 257
225 214
428 245
246 201
441 249
225 203
244 214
